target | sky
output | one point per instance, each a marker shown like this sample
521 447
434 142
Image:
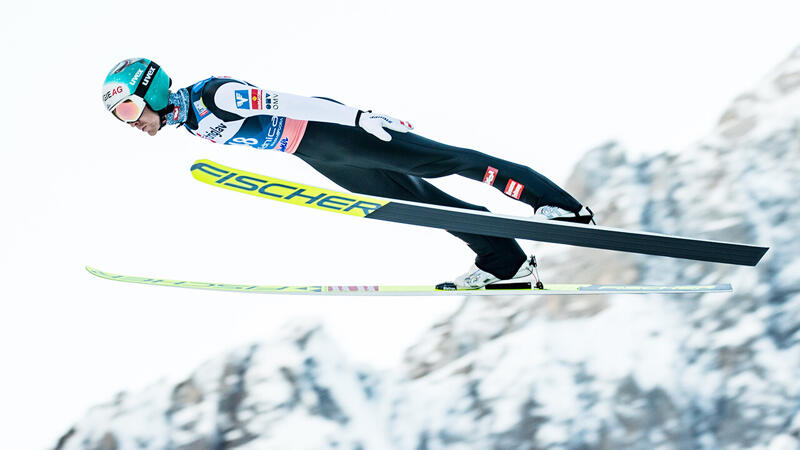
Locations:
538 83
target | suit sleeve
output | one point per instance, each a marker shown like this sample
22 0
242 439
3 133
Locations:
248 101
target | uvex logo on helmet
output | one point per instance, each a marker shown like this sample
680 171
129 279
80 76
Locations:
149 76
136 77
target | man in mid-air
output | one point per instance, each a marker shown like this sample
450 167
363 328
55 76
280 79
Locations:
359 150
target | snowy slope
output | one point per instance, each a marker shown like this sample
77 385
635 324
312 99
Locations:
702 372
297 391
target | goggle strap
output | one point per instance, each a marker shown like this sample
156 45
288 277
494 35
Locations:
141 89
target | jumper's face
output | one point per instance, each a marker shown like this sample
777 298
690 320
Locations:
149 122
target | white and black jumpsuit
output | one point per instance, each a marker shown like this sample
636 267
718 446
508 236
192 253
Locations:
324 134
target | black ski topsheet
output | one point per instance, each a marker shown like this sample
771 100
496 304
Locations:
476 222
571 234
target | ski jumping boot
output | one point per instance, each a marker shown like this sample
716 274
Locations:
585 215
476 278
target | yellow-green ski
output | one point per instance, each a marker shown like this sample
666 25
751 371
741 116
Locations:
423 290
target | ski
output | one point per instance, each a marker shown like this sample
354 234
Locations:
477 222
424 290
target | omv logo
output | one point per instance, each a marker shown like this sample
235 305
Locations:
242 99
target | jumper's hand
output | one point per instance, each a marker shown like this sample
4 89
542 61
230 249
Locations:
375 124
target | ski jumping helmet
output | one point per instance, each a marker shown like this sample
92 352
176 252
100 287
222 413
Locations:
131 84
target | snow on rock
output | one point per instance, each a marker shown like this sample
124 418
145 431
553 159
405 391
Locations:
297 391
553 383
733 359
673 372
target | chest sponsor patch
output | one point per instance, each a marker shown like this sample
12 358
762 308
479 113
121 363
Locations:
212 133
202 111
514 189
242 97
255 99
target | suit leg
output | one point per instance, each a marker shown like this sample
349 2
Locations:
501 257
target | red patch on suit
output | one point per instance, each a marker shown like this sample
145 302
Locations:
514 189
489 177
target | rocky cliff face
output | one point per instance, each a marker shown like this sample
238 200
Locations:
297 391
708 371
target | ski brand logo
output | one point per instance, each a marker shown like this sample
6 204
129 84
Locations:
353 288
514 189
242 98
489 177
286 191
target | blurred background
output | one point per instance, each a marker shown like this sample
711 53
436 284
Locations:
677 117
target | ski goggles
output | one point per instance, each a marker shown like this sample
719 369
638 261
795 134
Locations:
130 109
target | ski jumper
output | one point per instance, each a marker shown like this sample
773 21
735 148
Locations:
325 134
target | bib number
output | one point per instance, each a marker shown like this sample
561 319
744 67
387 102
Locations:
245 141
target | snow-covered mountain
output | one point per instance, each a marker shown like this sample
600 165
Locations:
297 391
702 372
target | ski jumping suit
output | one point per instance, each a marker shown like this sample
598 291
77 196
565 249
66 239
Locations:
324 133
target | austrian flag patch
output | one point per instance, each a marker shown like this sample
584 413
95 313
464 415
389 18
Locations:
514 189
489 177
